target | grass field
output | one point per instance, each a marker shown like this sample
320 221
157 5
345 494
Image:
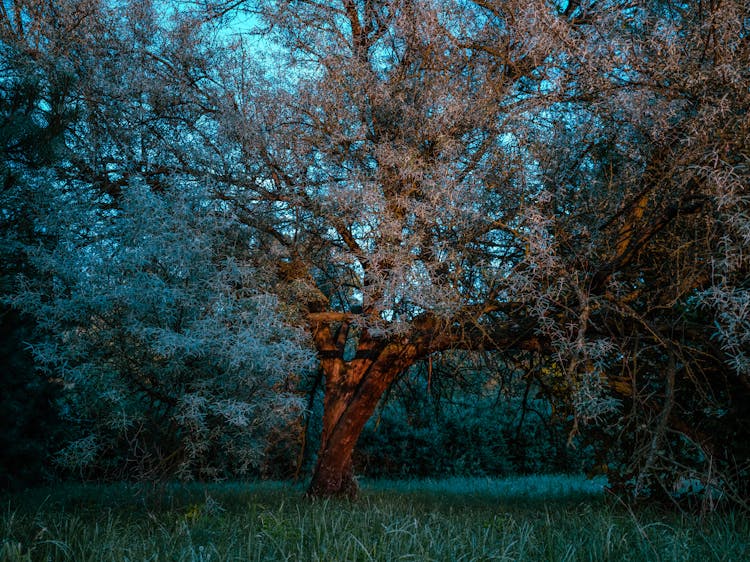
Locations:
531 518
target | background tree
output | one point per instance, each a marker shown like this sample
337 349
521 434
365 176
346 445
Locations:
463 414
32 123
143 290
640 166
171 354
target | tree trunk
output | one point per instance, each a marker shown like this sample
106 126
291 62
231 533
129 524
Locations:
353 390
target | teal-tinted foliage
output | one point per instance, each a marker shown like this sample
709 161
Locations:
179 223
457 418
32 122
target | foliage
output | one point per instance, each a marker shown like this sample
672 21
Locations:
561 184
639 166
138 279
167 351
459 417
32 124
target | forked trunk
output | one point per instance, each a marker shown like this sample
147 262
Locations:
334 473
355 382
353 389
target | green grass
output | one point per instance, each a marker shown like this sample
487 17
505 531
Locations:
531 518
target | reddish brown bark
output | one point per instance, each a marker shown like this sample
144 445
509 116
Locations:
355 383
352 392
345 415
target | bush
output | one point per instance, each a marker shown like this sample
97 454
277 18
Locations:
418 434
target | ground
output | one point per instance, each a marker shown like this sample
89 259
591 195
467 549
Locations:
525 518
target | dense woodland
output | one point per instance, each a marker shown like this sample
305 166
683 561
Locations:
317 238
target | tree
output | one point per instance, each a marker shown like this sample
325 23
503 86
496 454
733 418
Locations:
143 289
641 164
513 177
393 186
159 333
32 123
562 184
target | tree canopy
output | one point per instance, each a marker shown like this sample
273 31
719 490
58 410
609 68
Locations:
563 185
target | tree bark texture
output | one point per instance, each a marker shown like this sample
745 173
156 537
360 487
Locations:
358 374
353 389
